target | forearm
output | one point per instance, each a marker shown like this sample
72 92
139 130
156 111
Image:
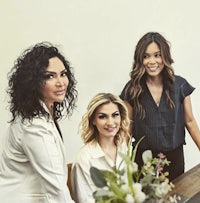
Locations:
194 132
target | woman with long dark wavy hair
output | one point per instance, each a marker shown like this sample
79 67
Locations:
159 103
33 163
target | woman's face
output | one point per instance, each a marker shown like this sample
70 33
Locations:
56 82
107 120
152 60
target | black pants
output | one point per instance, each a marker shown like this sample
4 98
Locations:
176 158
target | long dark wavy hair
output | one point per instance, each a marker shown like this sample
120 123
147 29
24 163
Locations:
26 79
138 74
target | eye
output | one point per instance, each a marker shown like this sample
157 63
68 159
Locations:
102 116
158 55
116 114
63 74
48 76
145 56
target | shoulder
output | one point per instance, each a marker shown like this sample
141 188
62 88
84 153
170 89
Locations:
38 121
86 152
179 79
123 147
183 86
125 92
83 158
127 85
37 126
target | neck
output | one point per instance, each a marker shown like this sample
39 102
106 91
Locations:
154 81
110 148
107 142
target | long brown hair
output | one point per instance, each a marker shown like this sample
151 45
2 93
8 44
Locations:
138 74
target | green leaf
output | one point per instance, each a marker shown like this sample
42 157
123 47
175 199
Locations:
109 176
135 149
97 177
115 188
102 193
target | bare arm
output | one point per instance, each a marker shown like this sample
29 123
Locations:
190 121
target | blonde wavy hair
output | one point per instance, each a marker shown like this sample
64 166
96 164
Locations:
89 132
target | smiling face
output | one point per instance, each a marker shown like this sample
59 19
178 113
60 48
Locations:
107 120
152 60
56 82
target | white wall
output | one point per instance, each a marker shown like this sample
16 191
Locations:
99 37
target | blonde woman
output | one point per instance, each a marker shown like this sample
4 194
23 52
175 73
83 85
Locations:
105 133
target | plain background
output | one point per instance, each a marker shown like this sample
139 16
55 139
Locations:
98 37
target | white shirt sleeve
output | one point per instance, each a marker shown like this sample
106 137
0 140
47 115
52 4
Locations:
82 185
89 155
45 150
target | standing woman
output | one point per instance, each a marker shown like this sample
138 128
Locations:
159 103
33 163
105 133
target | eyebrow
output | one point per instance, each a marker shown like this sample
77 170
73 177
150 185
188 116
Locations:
52 72
106 114
154 52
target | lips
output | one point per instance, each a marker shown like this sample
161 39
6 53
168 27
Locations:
60 92
110 129
153 68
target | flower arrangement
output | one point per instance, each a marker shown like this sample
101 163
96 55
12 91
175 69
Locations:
130 185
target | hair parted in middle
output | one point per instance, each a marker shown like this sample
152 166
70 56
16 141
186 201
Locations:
138 73
89 131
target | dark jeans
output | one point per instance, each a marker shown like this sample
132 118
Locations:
176 158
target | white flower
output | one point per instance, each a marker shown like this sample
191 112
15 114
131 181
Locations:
139 195
133 185
162 189
125 188
137 187
129 198
133 167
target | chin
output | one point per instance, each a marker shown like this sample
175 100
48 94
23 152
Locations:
112 135
59 100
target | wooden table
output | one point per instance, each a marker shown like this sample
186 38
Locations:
188 184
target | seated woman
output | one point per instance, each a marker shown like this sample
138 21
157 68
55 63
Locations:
105 133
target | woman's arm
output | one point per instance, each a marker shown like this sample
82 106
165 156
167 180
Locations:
190 121
45 151
82 185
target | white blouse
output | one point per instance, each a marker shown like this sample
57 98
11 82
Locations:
89 155
33 164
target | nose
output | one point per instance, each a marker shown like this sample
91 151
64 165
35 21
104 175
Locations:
152 60
110 121
59 81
